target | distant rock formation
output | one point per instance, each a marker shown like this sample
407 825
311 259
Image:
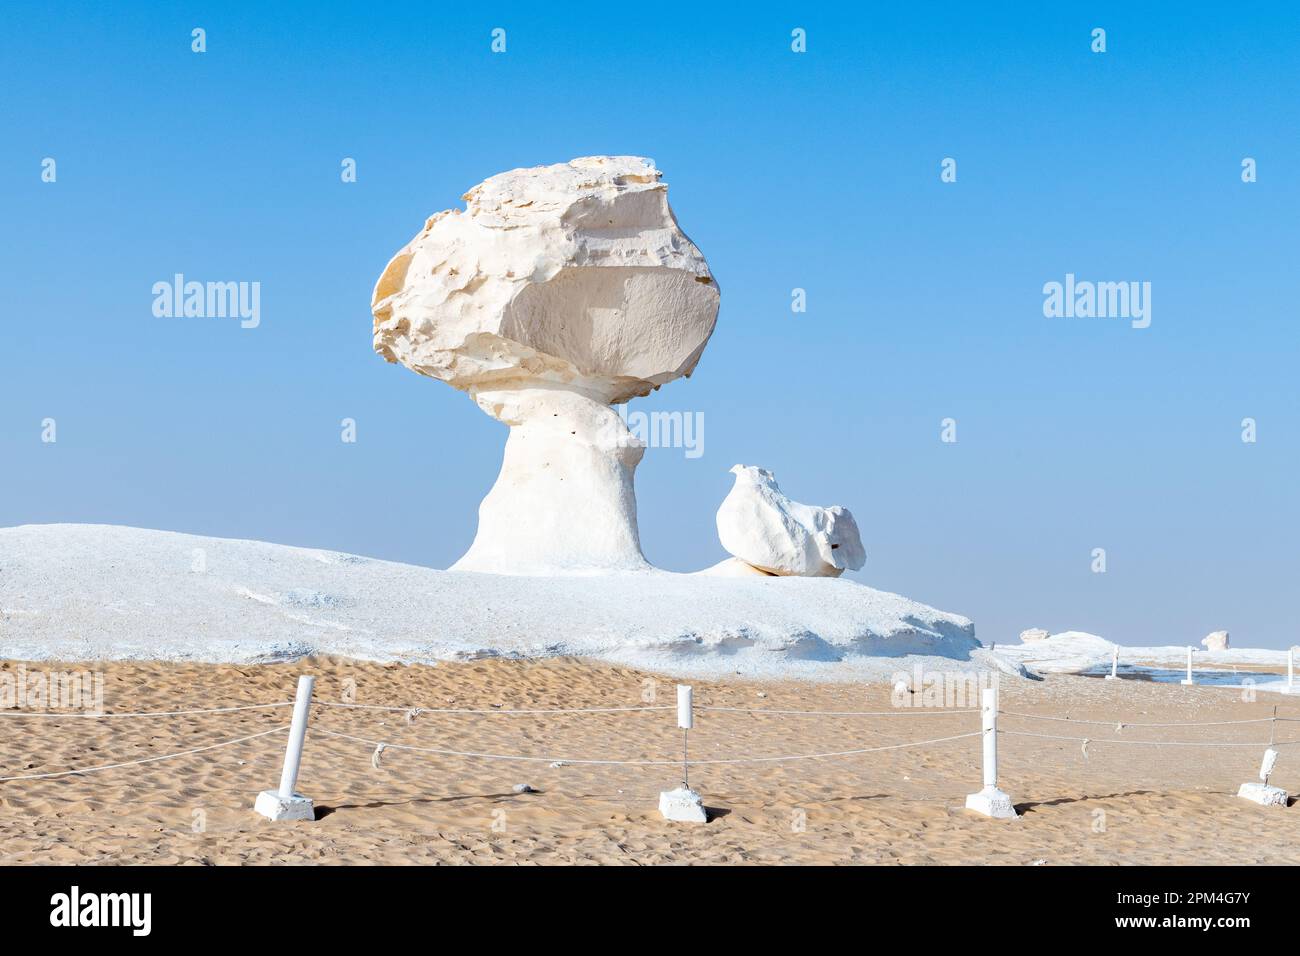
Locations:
1216 641
558 292
1034 634
764 529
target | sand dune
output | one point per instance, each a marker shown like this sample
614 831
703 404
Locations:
1121 804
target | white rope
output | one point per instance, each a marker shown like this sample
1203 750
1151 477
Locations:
901 712
1126 723
152 713
136 763
494 710
621 710
1152 743
640 763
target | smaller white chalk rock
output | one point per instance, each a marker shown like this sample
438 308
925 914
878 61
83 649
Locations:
1266 795
765 529
1217 641
275 807
992 802
682 806
1034 634
524 788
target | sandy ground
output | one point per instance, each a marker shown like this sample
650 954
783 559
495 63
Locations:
1122 804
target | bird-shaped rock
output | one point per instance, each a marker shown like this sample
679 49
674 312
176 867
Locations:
765 529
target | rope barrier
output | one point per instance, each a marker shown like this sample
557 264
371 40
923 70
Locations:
1153 743
152 713
136 763
901 712
620 710
637 763
491 711
1125 723
985 801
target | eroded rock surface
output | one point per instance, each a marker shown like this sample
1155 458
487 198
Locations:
557 292
765 529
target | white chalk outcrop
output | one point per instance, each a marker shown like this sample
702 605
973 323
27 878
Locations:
763 528
1034 634
1216 641
96 592
558 292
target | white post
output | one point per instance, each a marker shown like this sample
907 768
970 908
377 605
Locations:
1188 681
1266 768
685 720
684 805
1114 663
990 801
284 803
989 725
297 734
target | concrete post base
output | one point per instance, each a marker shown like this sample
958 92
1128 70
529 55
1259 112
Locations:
275 807
1187 682
992 802
682 806
1264 794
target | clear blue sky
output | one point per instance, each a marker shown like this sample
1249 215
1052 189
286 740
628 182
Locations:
816 170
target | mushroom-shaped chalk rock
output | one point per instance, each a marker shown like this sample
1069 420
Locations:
558 292
1216 641
765 529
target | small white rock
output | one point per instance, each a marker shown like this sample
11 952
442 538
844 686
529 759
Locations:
682 806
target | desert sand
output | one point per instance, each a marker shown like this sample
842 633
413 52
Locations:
1118 805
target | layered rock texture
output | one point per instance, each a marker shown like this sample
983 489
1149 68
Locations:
558 292
764 529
